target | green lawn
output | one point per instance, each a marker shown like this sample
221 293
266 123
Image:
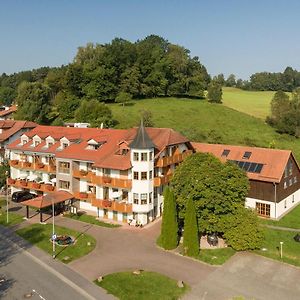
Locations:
216 256
147 285
254 103
91 220
291 220
39 235
13 218
202 121
291 249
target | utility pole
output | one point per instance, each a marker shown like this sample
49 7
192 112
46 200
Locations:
53 231
6 173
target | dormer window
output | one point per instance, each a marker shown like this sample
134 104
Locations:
50 144
24 140
93 145
36 143
64 145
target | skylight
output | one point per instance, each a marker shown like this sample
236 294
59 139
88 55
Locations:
247 155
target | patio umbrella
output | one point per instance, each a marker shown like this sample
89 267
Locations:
53 180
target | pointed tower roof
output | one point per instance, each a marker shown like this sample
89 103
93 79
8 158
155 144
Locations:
142 139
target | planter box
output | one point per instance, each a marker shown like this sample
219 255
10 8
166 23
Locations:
83 172
106 179
14 162
49 187
36 185
23 183
40 165
27 164
83 195
107 203
11 181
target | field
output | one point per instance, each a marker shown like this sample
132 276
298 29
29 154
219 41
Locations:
254 103
205 122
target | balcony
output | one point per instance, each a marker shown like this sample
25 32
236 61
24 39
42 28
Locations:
174 159
32 185
110 181
112 205
82 174
37 166
85 196
163 180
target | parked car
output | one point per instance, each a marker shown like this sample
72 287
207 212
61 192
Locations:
22 196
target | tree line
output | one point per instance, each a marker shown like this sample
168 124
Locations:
117 71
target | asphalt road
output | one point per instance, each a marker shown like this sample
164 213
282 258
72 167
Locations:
22 276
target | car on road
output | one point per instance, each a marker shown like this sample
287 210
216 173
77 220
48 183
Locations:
22 196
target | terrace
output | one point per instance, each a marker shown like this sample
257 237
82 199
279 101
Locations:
32 185
123 207
174 159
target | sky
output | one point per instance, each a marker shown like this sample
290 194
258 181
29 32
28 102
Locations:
240 37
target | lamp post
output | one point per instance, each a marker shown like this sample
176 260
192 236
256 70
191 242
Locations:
6 173
281 243
53 231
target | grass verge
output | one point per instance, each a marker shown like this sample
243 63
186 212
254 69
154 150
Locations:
40 234
291 249
91 220
13 218
216 256
145 286
290 220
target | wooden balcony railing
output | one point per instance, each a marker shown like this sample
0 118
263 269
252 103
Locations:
170 160
158 181
84 196
32 166
83 174
42 187
110 181
112 205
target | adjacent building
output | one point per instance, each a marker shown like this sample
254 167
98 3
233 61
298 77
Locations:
6 112
112 173
273 175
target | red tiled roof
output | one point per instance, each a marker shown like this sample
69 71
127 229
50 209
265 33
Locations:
11 127
274 161
11 110
106 156
46 200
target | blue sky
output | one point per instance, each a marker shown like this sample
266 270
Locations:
240 37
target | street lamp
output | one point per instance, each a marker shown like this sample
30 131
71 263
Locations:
53 232
281 243
6 173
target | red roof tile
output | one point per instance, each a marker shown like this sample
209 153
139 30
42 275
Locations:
11 127
274 161
11 110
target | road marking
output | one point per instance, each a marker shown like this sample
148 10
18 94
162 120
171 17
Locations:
34 291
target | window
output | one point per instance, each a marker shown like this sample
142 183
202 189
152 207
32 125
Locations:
50 144
143 198
263 209
247 155
290 167
155 192
143 175
295 179
293 199
290 181
286 172
106 172
64 167
285 185
135 198
36 143
64 145
150 198
64 185
151 156
135 156
136 175
225 152
144 156
150 175
284 203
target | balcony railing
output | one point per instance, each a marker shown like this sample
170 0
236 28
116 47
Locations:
42 187
170 160
83 174
163 180
112 205
85 196
110 181
37 166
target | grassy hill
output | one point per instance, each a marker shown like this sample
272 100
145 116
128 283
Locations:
206 122
254 103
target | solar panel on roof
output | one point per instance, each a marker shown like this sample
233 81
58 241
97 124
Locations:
252 167
258 168
241 164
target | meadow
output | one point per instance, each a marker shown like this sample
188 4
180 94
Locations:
254 103
205 122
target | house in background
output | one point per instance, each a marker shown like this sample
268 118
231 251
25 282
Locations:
6 112
273 174
11 130
116 174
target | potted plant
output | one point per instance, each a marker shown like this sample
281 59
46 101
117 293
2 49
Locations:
49 187
40 165
11 181
27 164
23 182
106 179
14 162
36 185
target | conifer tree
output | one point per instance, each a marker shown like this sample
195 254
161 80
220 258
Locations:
190 235
169 226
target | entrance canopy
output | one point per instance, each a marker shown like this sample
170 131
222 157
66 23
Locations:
47 200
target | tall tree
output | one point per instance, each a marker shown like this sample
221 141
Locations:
94 112
33 102
123 98
169 226
230 81
190 234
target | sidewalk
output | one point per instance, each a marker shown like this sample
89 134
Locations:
282 228
84 287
